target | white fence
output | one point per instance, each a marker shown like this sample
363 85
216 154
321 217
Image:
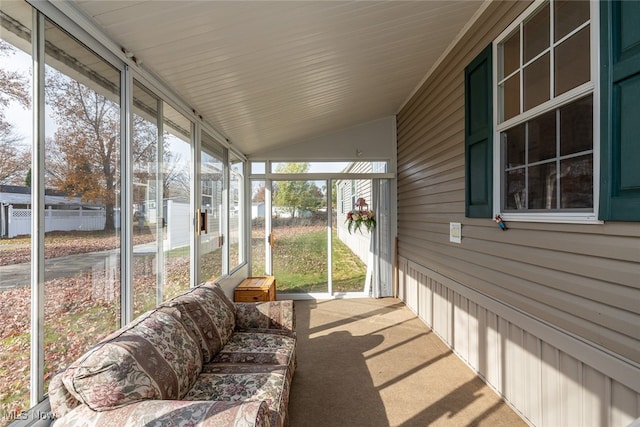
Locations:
19 220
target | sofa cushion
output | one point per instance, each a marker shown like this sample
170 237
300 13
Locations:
246 383
60 399
272 315
209 314
155 357
257 347
162 413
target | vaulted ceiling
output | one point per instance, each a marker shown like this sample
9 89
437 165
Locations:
271 73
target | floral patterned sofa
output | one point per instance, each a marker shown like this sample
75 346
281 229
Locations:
198 360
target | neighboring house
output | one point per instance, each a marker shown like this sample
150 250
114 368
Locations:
548 311
348 191
257 210
61 212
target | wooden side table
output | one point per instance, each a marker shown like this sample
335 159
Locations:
254 289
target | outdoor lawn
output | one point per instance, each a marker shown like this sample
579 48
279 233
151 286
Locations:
83 307
300 260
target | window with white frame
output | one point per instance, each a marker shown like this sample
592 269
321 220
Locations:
545 112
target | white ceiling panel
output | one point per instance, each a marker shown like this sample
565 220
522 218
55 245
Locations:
271 73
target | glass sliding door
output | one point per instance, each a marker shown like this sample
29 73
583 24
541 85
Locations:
299 236
176 217
351 248
82 200
210 220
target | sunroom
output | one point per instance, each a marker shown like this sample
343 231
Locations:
495 145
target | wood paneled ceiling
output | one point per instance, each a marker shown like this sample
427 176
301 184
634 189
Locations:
271 73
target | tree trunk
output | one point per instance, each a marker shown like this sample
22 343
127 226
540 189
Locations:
110 223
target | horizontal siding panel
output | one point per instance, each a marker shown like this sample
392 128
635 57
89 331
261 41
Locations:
436 162
445 177
436 199
442 187
560 263
608 247
445 110
620 320
418 176
566 311
445 127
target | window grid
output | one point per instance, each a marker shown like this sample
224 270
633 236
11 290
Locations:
527 165
516 115
522 65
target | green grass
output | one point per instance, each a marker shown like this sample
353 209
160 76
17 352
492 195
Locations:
300 263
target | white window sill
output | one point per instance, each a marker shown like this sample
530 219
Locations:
562 218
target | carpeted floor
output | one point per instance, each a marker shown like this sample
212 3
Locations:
372 362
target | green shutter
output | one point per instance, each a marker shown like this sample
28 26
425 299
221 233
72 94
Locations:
478 136
620 111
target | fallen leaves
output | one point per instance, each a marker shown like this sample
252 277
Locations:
79 309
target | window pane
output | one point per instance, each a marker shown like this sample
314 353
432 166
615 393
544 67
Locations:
146 227
542 137
510 92
510 55
258 168
176 211
212 184
327 167
576 126
576 182
236 212
542 186
515 189
258 249
16 134
572 62
536 34
513 141
536 82
569 15
82 149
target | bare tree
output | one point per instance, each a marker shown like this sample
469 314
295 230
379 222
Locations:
14 90
84 158
14 161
